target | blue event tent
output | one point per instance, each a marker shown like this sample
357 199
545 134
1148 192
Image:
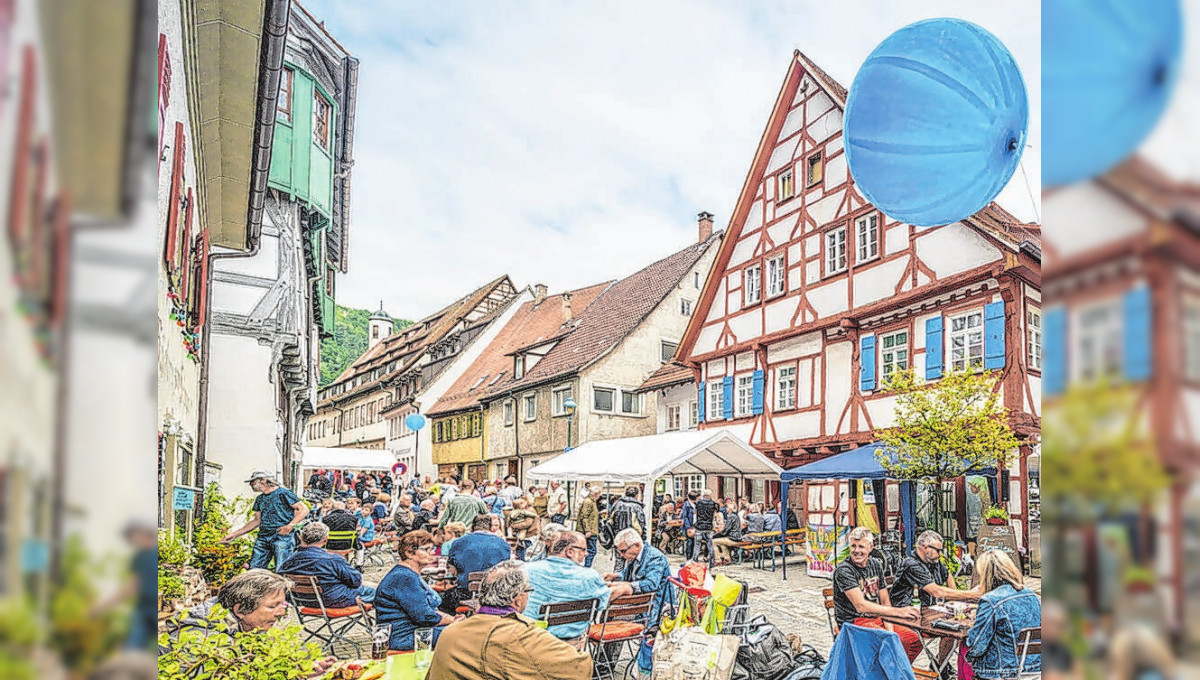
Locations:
860 463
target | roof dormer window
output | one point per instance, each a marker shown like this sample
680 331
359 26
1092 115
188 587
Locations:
518 367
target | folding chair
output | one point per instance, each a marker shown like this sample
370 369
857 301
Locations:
622 624
335 622
468 606
341 542
827 593
380 552
563 613
1029 641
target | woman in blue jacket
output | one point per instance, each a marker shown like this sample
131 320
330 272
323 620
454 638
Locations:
1006 609
404 600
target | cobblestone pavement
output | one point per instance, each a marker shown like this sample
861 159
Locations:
795 605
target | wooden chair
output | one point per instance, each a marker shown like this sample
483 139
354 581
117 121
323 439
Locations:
468 606
563 613
827 593
622 624
1029 642
336 622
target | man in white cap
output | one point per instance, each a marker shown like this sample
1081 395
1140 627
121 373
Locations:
277 511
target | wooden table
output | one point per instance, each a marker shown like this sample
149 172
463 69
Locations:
769 539
928 633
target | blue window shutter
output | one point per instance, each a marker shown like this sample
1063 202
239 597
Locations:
727 394
993 335
866 356
1137 334
933 348
700 402
756 406
1054 351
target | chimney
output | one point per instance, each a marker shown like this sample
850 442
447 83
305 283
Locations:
539 293
705 226
566 302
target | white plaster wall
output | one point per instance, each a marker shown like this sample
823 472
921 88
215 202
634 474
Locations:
954 248
780 312
837 381
883 412
819 104
824 209
797 425
747 325
807 344
242 433
706 341
682 396
1086 217
879 282
829 298
793 122
265 264
826 126
895 239
836 172
744 250
235 299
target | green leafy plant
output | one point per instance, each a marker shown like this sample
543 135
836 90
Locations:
218 561
218 653
171 586
19 633
173 551
995 512
82 637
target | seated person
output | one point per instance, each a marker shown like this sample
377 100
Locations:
450 532
499 642
365 528
380 510
561 577
426 515
536 549
1006 608
404 600
924 572
729 538
755 522
646 570
340 520
1058 659
772 521
860 597
341 585
479 550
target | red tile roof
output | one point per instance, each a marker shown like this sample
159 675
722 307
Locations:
407 345
530 325
1141 182
671 373
611 317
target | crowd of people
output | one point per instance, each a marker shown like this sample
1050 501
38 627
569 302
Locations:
518 541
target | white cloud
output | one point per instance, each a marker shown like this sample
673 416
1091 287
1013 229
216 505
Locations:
571 143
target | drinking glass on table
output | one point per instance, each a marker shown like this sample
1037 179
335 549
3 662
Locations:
381 639
423 647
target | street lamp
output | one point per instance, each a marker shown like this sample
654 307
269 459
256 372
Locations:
569 404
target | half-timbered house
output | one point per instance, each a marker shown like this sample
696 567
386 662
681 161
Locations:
816 296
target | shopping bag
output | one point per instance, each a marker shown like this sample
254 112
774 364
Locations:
683 617
691 654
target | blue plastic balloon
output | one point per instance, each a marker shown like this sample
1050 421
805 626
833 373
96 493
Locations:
414 421
1108 70
935 123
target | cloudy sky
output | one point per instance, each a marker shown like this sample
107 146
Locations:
572 143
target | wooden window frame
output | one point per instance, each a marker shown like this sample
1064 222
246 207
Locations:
555 402
715 393
826 252
662 346
815 161
950 334
678 418
883 363
321 123
738 393
780 405
509 411
525 411
612 391
283 105
859 222
781 269
785 179
746 288
1035 338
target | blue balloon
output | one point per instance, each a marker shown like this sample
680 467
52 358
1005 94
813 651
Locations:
935 123
1108 70
414 421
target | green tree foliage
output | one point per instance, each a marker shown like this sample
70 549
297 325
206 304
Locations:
1097 452
218 653
946 428
216 560
349 341
82 637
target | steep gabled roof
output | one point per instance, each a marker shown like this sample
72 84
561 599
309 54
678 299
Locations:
672 373
1140 182
613 315
535 322
407 346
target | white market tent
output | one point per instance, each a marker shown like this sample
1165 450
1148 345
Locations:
347 458
646 459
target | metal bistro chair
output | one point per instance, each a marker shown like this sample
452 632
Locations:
563 613
341 542
335 622
381 552
468 606
1029 642
827 593
621 626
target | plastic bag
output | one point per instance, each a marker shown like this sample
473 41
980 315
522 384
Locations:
691 654
683 618
765 653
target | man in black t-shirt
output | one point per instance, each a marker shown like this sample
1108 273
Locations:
860 596
319 481
924 572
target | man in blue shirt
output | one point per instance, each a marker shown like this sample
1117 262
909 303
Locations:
479 550
276 512
772 521
562 578
646 571
341 585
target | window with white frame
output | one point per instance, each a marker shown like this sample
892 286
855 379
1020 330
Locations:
558 400
631 403
518 368
745 391
672 418
603 399
835 250
893 353
1033 336
776 276
667 350
716 401
752 285
529 406
1098 341
685 307
693 407
785 387
966 341
868 237
787 185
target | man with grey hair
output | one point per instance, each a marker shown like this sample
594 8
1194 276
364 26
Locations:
924 572
645 570
861 597
499 642
341 586
539 547
562 577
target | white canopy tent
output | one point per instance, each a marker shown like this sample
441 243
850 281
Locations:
646 459
347 458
